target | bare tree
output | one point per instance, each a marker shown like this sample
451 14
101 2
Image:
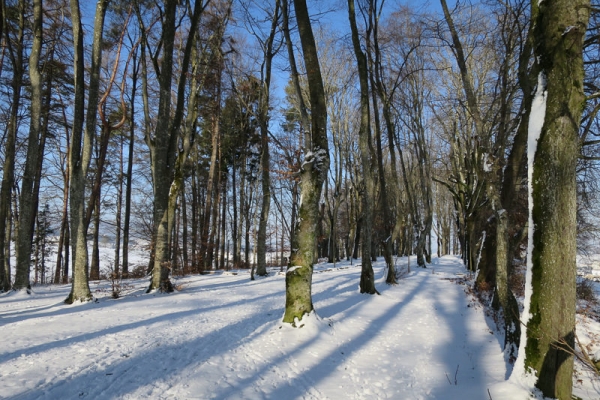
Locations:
367 277
559 31
164 143
82 139
314 172
14 39
28 199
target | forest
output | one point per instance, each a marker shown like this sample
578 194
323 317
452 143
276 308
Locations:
247 134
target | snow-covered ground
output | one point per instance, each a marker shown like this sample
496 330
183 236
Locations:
220 336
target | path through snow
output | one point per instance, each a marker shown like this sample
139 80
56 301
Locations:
221 337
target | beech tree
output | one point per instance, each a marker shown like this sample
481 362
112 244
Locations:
559 28
165 140
269 48
29 196
14 33
367 278
298 279
82 137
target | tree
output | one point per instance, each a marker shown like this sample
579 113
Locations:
269 48
298 278
559 28
367 277
164 143
385 210
471 183
214 57
14 38
129 173
28 199
81 144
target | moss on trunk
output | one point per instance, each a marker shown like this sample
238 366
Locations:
559 29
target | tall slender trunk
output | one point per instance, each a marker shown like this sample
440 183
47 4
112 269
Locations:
223 229
95 263
119 212
234 222
265 159
15 51
195 218
129 179
248 226
242 213
214 221
81 145
4 273
384 206
367 277
298 280
28 199
304 139
184 231
62 267
165 141
211 189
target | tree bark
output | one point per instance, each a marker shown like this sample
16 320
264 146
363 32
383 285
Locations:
15 52
129 176
164 144
81 145
28 199
367 277
298 280
384 204
559 29
265 159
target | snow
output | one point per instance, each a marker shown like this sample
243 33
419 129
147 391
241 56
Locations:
487 165
536 122
292 269
221 337
315 158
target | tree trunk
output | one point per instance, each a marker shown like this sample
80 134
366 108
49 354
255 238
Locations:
505 297
119 210
241 214
367 278
15 51
184 231
248 226
62 262
211 193
559 28
129 179
510 181
165 143
214 221
80 153
4 273
234 223
298 279
95 264
386 212
195 219
265 159
28 199
223 229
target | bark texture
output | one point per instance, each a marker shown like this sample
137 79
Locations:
298 280
367 278
81 144
559 28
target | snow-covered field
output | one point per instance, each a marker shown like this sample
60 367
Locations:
220 336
